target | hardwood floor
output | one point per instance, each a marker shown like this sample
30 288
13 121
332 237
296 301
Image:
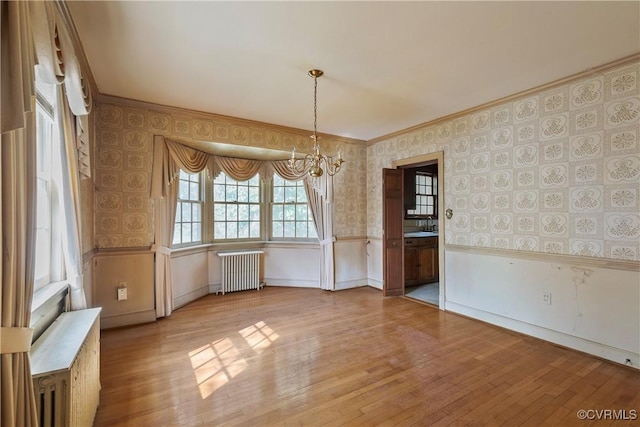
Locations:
287 356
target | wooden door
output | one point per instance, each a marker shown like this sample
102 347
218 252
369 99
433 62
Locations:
392 239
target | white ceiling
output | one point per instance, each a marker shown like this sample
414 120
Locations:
388 65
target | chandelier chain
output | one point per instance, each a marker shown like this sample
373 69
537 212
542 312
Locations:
315 109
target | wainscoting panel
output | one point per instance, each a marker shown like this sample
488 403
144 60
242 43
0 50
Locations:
591 306
136 269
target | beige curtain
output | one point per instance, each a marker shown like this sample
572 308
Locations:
165 216
320 196
70 202
17 217
168 158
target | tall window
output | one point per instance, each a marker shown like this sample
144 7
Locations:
188 225
426 191
48 261
236 208
290 213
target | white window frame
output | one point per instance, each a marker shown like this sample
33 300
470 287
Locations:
229 204
189 210
292 198
265 205
426 191
48 217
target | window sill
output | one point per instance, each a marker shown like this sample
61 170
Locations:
47 292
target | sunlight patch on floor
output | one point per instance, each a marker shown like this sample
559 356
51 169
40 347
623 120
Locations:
259 336
215 364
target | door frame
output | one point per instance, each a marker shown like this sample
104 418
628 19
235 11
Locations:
422 160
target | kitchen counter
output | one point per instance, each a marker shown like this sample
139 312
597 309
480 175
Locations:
421 234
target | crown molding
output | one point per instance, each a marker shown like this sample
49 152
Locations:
111 99
527 92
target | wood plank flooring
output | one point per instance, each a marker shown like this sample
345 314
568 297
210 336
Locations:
291 356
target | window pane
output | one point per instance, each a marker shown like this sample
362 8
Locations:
197 232
277 229
232 212
232 230
301 213
243 229
194 191
186 212
254 212
186 233
254 195
43 251
232 193
219 212
290 194
289 213
220 230
255 229
278 195
301 229
243 212
290 229
243 194
218 193
302 195
276 213
197 212
184 190
312 231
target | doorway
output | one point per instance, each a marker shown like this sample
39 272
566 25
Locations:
416 232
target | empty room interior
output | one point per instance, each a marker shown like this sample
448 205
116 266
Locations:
320 213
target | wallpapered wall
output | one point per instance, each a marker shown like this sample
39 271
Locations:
557 171
124 134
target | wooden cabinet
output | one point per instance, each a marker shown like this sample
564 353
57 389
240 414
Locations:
410 266
420 260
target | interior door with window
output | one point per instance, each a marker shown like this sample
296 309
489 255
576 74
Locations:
392 239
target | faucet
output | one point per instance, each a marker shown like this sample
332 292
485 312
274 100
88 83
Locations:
429 227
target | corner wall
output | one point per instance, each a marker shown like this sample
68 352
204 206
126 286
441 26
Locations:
555 171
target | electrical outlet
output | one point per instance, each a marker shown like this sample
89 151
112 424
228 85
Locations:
546 298
122 291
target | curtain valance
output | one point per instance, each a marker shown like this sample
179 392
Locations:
171 156
57 61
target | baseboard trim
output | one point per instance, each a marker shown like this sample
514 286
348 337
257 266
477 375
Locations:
185 299
128 319
292 283
374 283
350 284
602 351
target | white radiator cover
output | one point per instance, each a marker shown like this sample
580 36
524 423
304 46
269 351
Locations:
240 270
65 366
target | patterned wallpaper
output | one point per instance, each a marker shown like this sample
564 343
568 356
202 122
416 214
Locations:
123 161
556 172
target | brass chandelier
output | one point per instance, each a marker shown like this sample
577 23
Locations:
313 163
